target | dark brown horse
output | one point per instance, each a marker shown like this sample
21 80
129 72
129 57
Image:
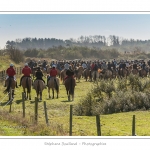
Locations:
123 73
33 71
26 84
10 84
142 73
39 87
87 74
53 83
70 86
135 71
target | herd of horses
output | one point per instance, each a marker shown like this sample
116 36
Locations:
54 82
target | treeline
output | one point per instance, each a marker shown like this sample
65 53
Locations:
75 52
45 43
96 41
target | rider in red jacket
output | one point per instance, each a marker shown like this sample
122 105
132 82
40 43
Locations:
11 71
26 71
53 73
11 74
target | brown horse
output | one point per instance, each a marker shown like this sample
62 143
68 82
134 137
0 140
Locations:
142 73
33 71
114 73
123 73
63 75
78 73
108 74
10 84
26 84
39 87
53 83
134 71
87 74
70 86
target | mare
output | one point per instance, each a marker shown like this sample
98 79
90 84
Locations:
53 83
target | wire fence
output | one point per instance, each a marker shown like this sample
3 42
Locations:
3 73
38 113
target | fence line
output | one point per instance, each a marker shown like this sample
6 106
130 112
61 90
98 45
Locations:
3 72
34 116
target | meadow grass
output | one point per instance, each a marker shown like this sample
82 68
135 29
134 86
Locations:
119 124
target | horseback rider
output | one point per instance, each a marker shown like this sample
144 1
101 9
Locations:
31 64
104 67
113 65
143 66
39 74
70 74
26 71
66 66
11 74
109 67
135 66
84 65
53 73
120 67
44 65
123 66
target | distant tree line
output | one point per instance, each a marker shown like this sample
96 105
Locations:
96 41
74 52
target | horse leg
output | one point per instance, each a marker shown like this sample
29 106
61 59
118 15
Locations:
72 97
57 93
69 97
53 93
40 95
29 96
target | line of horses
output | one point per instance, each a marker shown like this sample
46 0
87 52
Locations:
54 83
39 86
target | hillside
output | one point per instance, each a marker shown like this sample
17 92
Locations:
5 62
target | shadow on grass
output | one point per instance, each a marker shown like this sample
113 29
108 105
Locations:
66 101
3 104
19 101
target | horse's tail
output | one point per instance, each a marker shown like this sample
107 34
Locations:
38 88
56 85
27 83
71 87
8 87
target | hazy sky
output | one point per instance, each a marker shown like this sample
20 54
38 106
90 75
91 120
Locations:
65 26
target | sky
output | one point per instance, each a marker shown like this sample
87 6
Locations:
65 26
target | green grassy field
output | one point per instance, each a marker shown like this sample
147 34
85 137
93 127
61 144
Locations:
119 124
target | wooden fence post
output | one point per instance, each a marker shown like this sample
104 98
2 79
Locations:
133 126
20 71
98 125
23 103
2 74
36 109
70 121
45 110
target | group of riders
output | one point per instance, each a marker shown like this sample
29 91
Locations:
71 66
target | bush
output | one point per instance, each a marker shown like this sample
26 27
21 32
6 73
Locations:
103 98
16 55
